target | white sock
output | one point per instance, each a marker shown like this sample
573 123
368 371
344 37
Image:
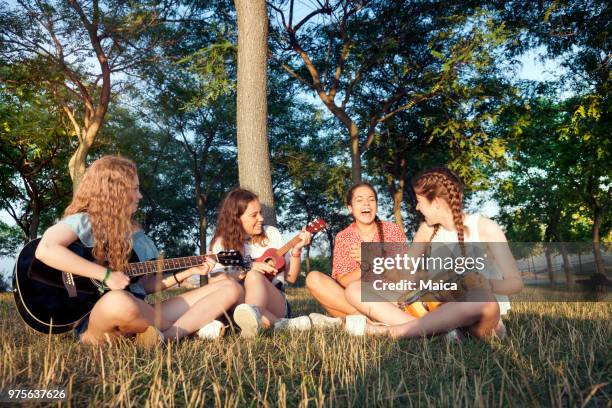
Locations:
322 321
356 325
300 323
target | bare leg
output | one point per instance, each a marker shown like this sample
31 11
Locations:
379 311
260 292
119 313
190 311
330 294
481 318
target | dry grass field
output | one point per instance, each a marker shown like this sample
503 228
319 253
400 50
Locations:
557 354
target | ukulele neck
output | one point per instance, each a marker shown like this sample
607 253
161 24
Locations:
285 248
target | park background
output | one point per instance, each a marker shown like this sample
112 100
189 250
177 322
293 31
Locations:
512 95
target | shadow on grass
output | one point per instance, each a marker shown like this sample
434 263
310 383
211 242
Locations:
556 355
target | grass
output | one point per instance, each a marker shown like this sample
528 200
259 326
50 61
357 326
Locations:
557 354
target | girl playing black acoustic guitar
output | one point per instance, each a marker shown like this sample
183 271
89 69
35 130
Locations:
101 216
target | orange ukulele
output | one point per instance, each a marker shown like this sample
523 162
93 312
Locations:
276 257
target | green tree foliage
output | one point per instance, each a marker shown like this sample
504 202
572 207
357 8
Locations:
182 119
34 152
73 48
368 61
575 33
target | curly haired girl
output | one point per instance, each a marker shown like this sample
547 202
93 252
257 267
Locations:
101 216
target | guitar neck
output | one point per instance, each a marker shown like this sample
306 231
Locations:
165 265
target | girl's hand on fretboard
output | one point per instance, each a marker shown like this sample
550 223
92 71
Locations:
305 237
203 269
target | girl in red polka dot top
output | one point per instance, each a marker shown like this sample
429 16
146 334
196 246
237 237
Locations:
362 202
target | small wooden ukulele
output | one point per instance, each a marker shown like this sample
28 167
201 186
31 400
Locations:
276 257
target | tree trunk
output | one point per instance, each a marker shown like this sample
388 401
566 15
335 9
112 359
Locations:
398 193
307 259
551 275
251 109
567 267
599 264
330 238
355 154
549 234
33 228
203 249
76 165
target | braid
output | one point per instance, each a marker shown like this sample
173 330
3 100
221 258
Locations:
381 235
443 183
379 227
435 231
455 203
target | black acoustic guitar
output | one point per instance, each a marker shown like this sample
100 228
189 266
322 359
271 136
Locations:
52 301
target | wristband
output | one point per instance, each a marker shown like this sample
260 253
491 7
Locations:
299 254
106 276
176 279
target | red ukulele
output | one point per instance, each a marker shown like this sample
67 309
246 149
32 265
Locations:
276 257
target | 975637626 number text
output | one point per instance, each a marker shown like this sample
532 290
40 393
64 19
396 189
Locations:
39 394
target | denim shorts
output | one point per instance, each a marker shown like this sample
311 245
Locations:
280 286
81 328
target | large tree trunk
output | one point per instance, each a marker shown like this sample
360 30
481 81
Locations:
251 110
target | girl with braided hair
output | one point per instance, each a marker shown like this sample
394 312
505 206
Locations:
362 203
439 194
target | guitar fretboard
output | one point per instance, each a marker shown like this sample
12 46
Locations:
164 265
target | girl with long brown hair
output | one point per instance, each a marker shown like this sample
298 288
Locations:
101 216
240 227
362 203
439 194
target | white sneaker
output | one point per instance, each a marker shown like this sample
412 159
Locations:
321 321
356 325
212 330
300 323
248 318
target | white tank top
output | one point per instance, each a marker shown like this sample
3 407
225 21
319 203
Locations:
472 235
